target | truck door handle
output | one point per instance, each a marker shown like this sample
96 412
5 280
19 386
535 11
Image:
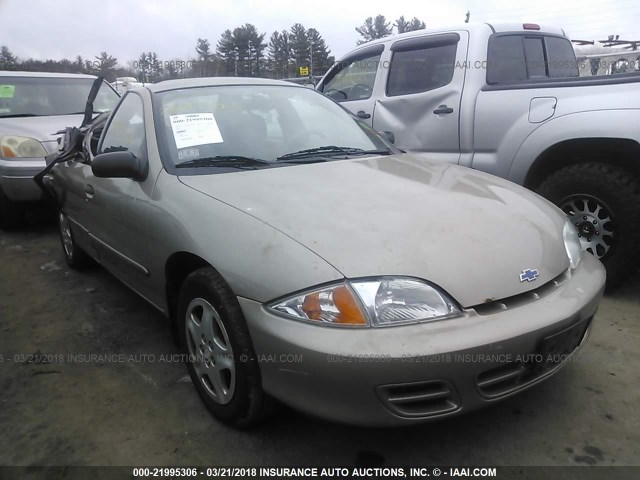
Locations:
443 109
88 192
363 114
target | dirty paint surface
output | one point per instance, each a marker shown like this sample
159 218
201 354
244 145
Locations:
121 396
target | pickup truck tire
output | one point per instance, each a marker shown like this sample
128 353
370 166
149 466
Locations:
75 256
604 202
215 339
10 214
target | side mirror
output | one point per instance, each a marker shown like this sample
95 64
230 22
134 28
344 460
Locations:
122 164
337 95
388 136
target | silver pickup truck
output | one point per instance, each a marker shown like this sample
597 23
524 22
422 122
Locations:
507 99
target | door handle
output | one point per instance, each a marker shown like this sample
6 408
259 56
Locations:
443 109
88 192
363 114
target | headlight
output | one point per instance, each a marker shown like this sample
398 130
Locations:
572 244
379 302
25 147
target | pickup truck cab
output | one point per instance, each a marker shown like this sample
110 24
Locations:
508 100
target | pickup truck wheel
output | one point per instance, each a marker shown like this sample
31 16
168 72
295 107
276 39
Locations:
10 213
220 357
603 201
76 258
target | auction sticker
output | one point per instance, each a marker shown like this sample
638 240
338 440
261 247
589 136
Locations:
7 91
191 129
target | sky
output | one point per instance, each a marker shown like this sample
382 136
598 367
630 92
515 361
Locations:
125 28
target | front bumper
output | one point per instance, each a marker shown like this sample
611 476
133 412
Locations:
16 179
409 374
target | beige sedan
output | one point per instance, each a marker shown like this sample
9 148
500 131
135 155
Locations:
301 257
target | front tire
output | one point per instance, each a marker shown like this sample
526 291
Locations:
221 361
603 201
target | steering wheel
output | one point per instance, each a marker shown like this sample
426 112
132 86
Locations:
305 137
336 94
360 90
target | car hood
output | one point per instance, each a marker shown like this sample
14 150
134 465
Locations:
471 233
42 129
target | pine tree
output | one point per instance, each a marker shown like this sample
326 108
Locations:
299 44
279 54
373 29
242 51
8 60
106 67
227 52
321 59
205 57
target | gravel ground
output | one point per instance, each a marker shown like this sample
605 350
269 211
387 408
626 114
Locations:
146 412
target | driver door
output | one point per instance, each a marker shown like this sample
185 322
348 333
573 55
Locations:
352 82
115 207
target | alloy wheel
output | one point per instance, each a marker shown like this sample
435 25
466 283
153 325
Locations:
210 350
595 224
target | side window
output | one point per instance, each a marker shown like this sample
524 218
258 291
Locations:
126 129
106 99
355 80
534 53
421 69
515 58
562 58
506 60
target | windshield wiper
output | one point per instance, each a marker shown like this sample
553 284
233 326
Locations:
329 150
78 113
237 161
16 115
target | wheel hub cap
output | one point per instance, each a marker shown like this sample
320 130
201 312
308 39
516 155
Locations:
65 233
586 229
210 350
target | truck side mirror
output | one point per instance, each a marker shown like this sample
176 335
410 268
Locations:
388 136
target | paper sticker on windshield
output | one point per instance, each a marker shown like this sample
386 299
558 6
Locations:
7 91
188 153
192 129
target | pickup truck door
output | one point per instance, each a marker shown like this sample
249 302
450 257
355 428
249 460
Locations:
353 82
115 207
421 95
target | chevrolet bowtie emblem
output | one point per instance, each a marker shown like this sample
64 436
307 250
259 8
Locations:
529 275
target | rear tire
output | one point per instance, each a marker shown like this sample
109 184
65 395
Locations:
11 214
221 359
604 201
75 256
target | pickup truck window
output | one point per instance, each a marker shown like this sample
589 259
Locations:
421 69
355 78
516 58
562 58
534 53
506 60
